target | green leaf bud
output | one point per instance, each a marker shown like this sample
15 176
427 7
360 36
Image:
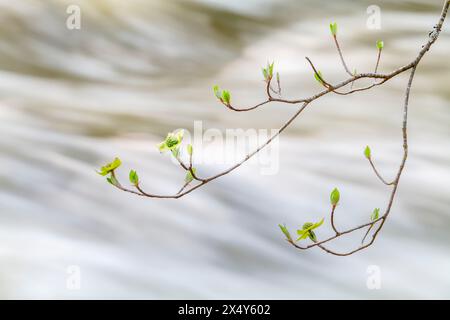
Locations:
375 214
270 69
217 92
189 177
367 152
285 232
334 197
226 96
318 77
134 178
380 45
265 74
112 180
190 149
333 29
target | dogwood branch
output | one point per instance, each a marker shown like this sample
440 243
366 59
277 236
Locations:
377 223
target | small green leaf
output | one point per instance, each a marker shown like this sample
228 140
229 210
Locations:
306 234
134 178
217 92
265 74
285 232
162 146
112 180
189 177
278 77
307 225
172 141
334 197
190 149
375 214
318 77
333 29
302 235
312 226
312 236
270 69
109 167
380 45
307 230
226 96
175 152
367 152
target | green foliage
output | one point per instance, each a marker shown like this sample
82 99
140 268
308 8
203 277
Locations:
380 45
190 149
172 142
226 97
270 67
334 197
217 92
285 232
312 236
375 214
333 29
134 178
175 152
318 76
112 180
109 167
307 230
222 95
189 177
268 71
367 152
265 73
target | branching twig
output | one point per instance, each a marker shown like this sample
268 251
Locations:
338 47
304 102
379 175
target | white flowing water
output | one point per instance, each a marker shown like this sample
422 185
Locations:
71 100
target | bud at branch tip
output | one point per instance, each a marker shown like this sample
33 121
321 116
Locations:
335 197
380 45
333 29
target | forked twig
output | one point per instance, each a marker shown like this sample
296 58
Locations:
376 224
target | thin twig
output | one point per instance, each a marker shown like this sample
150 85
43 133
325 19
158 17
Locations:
332 219
342 56
304 103
366 234
378 174
378 60
396 181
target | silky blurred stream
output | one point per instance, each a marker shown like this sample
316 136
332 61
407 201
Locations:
72 100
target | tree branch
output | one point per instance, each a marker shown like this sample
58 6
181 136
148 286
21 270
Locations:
304 102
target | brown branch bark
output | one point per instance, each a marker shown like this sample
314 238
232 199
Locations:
304 103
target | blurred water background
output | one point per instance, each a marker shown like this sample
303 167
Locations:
71 100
